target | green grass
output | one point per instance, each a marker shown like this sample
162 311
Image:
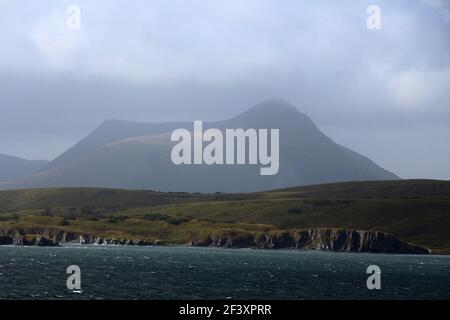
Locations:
417 211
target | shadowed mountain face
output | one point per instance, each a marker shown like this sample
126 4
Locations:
132 155
12 168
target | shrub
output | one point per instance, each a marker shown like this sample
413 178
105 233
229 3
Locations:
64 222
47 212
295 210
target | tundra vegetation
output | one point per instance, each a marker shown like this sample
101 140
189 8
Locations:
416 211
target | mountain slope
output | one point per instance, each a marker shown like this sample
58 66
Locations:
137 156
15 168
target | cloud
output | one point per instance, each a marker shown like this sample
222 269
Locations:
442 6
420 88
58 46
218 42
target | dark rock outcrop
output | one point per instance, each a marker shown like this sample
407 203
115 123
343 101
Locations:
5 240
338 240
33 241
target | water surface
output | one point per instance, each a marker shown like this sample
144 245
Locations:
124 272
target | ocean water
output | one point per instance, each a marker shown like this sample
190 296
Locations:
110 272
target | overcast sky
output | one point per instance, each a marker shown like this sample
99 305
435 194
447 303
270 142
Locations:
384 93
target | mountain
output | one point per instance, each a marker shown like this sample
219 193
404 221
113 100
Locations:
129 155
12 168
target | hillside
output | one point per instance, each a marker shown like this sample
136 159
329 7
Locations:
12 168
416 211
129 155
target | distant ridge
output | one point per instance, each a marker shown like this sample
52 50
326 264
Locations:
131 155
12 167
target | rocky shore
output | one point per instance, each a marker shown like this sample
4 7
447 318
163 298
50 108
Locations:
338 240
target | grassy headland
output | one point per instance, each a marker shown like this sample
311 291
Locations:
417 211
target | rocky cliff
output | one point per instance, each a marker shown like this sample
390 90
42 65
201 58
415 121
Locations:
28 240
53 237
338 240
313 239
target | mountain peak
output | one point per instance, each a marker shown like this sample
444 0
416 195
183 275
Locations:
276 112
274 105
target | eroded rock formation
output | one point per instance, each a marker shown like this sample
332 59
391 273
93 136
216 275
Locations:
313 239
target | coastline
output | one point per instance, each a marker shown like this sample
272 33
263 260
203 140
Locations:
316 239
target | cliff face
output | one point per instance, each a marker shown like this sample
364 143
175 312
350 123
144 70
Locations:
29 240
53 237
314 239
338 240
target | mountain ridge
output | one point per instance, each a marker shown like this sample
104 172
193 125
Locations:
13 167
